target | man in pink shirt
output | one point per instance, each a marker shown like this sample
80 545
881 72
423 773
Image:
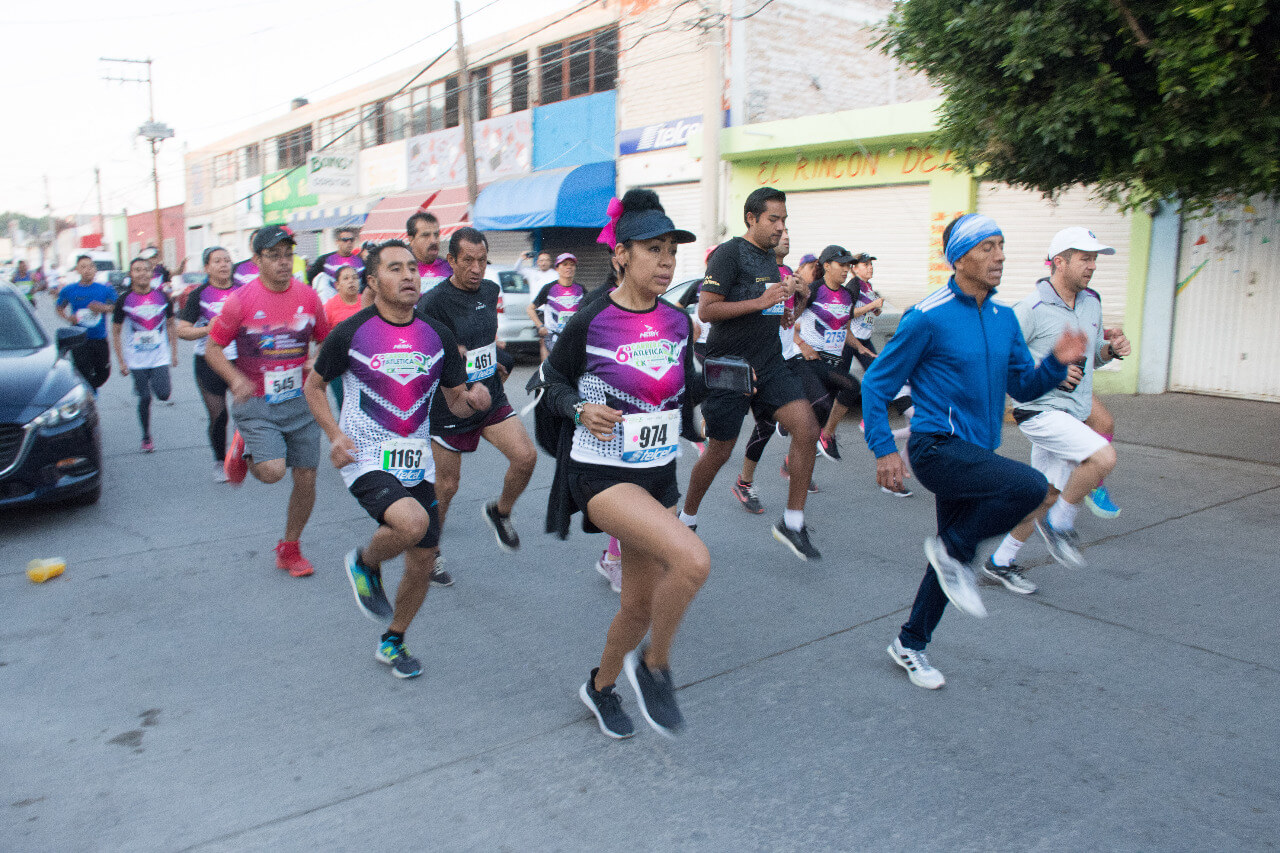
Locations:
273 321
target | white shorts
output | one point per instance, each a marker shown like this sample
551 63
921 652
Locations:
1059 443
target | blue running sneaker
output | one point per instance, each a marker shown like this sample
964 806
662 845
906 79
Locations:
393 653
1100 503
366 583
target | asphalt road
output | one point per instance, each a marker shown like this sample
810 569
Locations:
173 690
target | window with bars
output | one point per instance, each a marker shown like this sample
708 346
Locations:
333 127
452 110
251 161
480 106
372 129
579 66
292 148
224 170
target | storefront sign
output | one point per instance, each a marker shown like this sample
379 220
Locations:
655 137
333 172
856 167
382 169
282 197
504 149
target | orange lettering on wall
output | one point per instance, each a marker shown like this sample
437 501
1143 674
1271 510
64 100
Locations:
873 161
838 166
802 164
910 159
760 175
926 156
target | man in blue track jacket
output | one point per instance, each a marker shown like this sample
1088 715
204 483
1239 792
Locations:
961 353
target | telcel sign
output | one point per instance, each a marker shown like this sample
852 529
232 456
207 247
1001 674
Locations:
332 173
655 137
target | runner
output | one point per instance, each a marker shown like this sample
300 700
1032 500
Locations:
145 342
555 303
330 263
272 320
820 336
391 361
624 371
203 305
1073 457
344 303
962 353
744 298
868 306
86 304
23 280
1102 422
467 305
424 239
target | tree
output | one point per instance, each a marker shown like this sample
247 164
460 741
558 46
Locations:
1140 99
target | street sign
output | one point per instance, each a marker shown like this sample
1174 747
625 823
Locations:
155 130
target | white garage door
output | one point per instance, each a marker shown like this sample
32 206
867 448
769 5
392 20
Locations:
1227 309
683 203
891 223
1029 221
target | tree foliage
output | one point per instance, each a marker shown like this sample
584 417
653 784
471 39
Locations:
1141 99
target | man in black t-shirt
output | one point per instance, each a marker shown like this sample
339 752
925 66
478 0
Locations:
330 263
744 300
467 305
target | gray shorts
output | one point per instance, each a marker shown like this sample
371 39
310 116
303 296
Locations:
279 431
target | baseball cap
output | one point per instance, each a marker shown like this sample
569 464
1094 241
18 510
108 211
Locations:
807 258
647 224
863 257
272 235
565 256
1081 239
835 253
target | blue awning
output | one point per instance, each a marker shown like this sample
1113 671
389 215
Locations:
350 214
574 197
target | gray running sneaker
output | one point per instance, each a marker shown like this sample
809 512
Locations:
955 578
796 540
503 530
366 583
655 694
1010 576
607 706
1063 545
746 495
440 577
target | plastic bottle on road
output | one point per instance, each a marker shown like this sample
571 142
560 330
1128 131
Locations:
40 571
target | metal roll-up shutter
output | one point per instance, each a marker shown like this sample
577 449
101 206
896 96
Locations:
891 223
1227 308
308 244
683 204
506 247
1029 221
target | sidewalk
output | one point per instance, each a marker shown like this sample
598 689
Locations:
1216 426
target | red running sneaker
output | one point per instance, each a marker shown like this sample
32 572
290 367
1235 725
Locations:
234 466
289 557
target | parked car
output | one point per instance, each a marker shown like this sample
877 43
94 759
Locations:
183 286
119 279
50 448
515 329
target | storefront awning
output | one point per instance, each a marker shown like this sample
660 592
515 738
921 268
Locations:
386 221
350 214
574 197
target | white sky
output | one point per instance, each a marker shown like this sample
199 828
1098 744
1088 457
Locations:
218 67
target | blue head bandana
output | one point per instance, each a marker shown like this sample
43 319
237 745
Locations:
969 230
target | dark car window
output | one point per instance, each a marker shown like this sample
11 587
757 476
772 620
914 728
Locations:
105 266
18 329
512 282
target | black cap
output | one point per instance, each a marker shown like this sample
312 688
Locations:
863 257
647 224
835 253
271 235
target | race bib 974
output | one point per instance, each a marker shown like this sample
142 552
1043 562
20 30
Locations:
650 436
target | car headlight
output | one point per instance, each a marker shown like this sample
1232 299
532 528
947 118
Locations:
70 407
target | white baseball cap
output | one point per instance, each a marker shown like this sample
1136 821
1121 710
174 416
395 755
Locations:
1078 238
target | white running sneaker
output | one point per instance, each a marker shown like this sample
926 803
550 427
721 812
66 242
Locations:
917 665
610 570
219 472
955 578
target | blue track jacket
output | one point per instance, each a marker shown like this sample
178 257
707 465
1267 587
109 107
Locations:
961 360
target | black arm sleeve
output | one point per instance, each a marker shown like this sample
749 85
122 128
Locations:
117 315
541 298
191 310
567 361
335 353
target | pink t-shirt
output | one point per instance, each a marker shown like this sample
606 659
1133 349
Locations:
273 331
335 310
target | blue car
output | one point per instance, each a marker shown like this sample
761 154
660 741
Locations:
50 447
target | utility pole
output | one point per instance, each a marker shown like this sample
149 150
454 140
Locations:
50 235
464 104
153 131
102 219
712 120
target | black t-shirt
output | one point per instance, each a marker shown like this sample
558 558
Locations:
472 318
740 270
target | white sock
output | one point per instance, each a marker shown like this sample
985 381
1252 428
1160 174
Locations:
1062 515
1007 552
688 520
793 519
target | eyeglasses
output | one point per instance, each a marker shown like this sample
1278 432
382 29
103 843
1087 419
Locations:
346 239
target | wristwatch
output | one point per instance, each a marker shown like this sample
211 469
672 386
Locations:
577 412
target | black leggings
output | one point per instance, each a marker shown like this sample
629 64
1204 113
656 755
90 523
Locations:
145 381
213 389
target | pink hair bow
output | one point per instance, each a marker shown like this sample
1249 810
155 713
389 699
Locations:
607 236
